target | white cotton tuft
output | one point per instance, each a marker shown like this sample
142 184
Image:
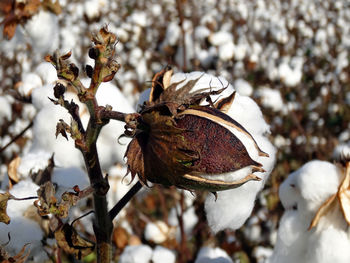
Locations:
162 255
156 232
271 98
302 194
136 254
212 255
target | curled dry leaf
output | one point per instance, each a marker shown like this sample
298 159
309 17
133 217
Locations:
72 243
48 204
12 170
19 258
4 218
176 140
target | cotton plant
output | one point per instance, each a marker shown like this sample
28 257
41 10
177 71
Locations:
315 224
192 131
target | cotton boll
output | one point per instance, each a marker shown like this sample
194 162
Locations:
220 38
46 72
317 181
212 255
41 95
243 87
246 112
43 31
271 98
156 232
226 51
232 207
330 245
291 243
29 82
136 254
162 255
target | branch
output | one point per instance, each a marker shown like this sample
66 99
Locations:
126 198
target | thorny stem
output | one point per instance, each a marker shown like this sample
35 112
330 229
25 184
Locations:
125 199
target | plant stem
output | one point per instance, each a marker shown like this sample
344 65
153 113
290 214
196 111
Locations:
125 199
103 226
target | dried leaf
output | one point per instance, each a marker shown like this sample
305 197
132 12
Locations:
48 204
19 258
3 205
53 7
72 243
62 128
344 194
12 170
10 29
323 210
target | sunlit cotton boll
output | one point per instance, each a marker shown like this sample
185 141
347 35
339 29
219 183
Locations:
233 207
302 194
136 254
212 255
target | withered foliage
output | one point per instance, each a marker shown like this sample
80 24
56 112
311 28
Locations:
19 12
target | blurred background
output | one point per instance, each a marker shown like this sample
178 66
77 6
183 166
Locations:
290 56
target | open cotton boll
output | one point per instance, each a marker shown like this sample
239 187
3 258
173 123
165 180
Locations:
136 254
291 244
308 187
156 232
233 207
330 245
162 255
43 30
29 82
46 72
212 255
243 87
270 98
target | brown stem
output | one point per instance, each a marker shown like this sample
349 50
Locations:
181 17
103 226
125 199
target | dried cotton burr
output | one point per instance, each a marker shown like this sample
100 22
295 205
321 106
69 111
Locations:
187 135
